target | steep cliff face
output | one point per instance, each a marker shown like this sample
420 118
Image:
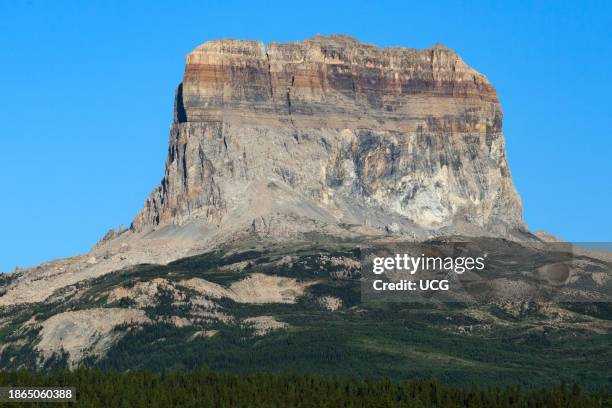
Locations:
332 132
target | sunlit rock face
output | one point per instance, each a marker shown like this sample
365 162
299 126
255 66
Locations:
331 134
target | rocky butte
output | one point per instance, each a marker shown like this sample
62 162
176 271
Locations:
288 164
328 135
331 131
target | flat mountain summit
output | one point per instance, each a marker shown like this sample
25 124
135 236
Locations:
311 135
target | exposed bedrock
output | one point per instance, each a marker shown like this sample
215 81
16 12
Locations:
330 131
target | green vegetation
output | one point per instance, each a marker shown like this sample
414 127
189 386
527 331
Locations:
96 388
448 343
372 345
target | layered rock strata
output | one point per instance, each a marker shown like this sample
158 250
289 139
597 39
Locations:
330 131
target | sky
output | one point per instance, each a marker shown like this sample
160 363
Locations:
87 88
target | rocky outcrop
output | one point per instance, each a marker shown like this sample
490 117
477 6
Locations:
86 333
262 325
256 288
331 132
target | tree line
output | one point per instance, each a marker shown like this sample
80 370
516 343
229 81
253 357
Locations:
203 388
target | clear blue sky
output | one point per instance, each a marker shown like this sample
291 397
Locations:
87 92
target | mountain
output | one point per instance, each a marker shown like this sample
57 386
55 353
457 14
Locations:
330 131
289 166
329 135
